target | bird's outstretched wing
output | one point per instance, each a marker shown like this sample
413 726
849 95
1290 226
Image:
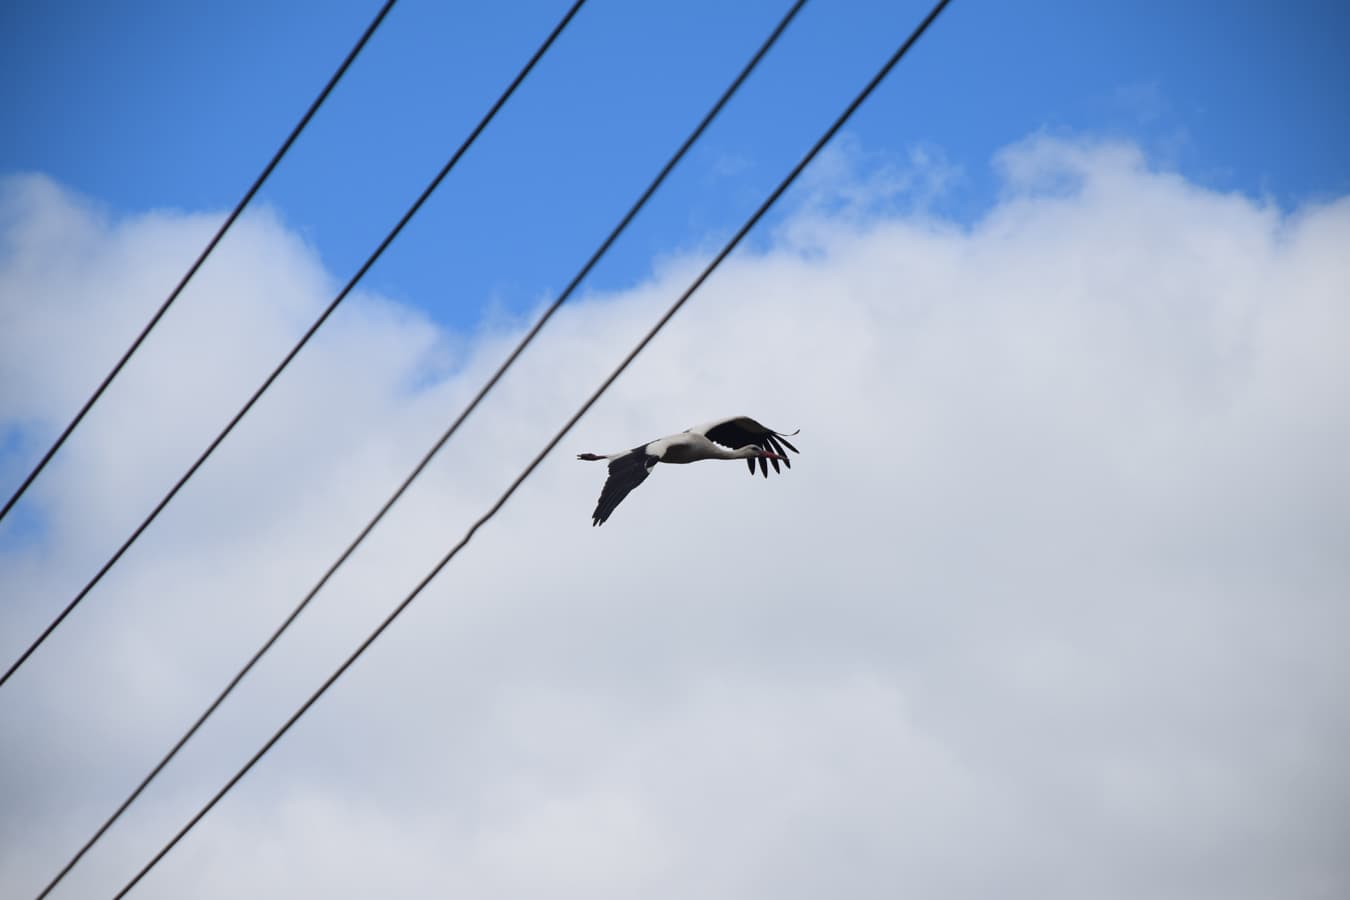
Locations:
742 430
625 473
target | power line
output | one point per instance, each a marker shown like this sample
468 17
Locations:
426 459
478 129
557 438
201 258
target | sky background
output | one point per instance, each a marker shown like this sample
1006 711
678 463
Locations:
179 106
1052 603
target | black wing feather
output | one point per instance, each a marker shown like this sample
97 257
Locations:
742 430
625 473
738 432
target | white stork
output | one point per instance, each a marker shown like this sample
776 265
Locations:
736 438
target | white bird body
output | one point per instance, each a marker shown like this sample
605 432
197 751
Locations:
689 447
739 437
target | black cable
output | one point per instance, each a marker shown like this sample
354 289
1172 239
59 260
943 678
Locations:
478 129
557 438
201 258
483 392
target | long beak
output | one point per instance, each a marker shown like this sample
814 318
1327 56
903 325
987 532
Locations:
767 455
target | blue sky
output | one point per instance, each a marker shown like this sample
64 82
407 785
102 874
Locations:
146 106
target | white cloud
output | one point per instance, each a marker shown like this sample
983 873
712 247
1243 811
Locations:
1051 604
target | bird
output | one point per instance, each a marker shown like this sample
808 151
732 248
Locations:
739 437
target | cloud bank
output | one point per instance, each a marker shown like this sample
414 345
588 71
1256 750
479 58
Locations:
1053 603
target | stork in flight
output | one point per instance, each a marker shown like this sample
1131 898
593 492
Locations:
736 438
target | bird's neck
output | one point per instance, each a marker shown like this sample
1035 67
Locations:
708 449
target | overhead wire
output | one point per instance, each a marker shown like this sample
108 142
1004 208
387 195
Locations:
360 273
557 438
201 258
440 443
